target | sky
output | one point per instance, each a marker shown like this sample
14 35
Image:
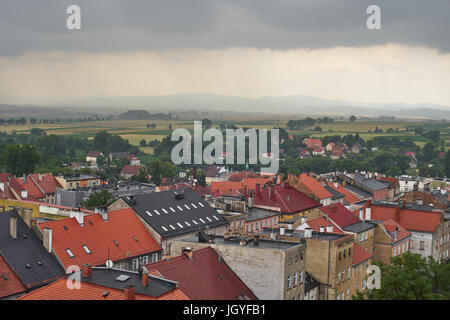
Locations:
246 48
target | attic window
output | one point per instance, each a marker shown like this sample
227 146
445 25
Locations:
122 278
180 225
164 210
135 238
65 227
28 266
71 255
216 218
173 210
172 226
90 222
164 228
201 205
39 263
194 206
187 223
116 243
4 277
220 276
148 213
86 249
186 206
202 221
207 218
194 221
156 211
180 208
105 294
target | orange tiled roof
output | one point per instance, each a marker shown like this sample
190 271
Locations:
12 284
58 290
360 254
316 223
314 186
32 189
391 225
122 226
348 196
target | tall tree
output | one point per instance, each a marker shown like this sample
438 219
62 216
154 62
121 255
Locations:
20 159
99 198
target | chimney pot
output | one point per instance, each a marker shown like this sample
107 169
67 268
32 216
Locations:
145 279
86 270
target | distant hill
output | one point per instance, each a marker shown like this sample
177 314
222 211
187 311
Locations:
143 115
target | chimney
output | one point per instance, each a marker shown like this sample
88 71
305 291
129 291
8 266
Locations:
103 212
86 270
397 213
330 228
368 213
250 200
187 251
256 241
79 215
258 188
128 292
13 227
308 232
47 239
144 279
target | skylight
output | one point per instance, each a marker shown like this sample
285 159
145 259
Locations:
201 220
122 278
187 223
207 218
172 226
148 213
187 207
86 249
216 218
157 212
194 206
201 205
164 210
194 221
71 255
173 210
180 225
179 208
164 228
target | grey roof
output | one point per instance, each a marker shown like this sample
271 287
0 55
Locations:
257 213
262 243
27 250
119 155
412 206
371 183
107 278
336 194
358 191
359 227
165 213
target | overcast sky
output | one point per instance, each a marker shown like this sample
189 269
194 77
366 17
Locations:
235 47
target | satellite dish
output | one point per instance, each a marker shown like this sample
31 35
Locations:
109 264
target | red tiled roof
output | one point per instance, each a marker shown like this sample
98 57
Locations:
12 285
122 226
32 189
314 186
93 154
339 214
58 290
348 196
360 254
284 197
130 170
46 181
204 277
391 225
316 223
11 183
228 188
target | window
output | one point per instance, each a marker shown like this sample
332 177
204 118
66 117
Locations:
180 225
86 249
187 207
295 279
193 206
339 277
348 273
289 281
164 210
172 209
195 222
247 228
164 228
338 297
135 265
180 208
364 284
345 253
348 294
393 251
349 252
296 258
201 220
148 213
207 218
365 235
172 226
361 237
71 255
300 297
156 211
301 276
339 255
154 257
290 260
422 245
145 260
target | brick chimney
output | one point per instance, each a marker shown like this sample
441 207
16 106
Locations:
129 292
13 227
86 270
145 279
397 213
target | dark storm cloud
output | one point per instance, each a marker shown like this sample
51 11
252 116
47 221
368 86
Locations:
118 25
